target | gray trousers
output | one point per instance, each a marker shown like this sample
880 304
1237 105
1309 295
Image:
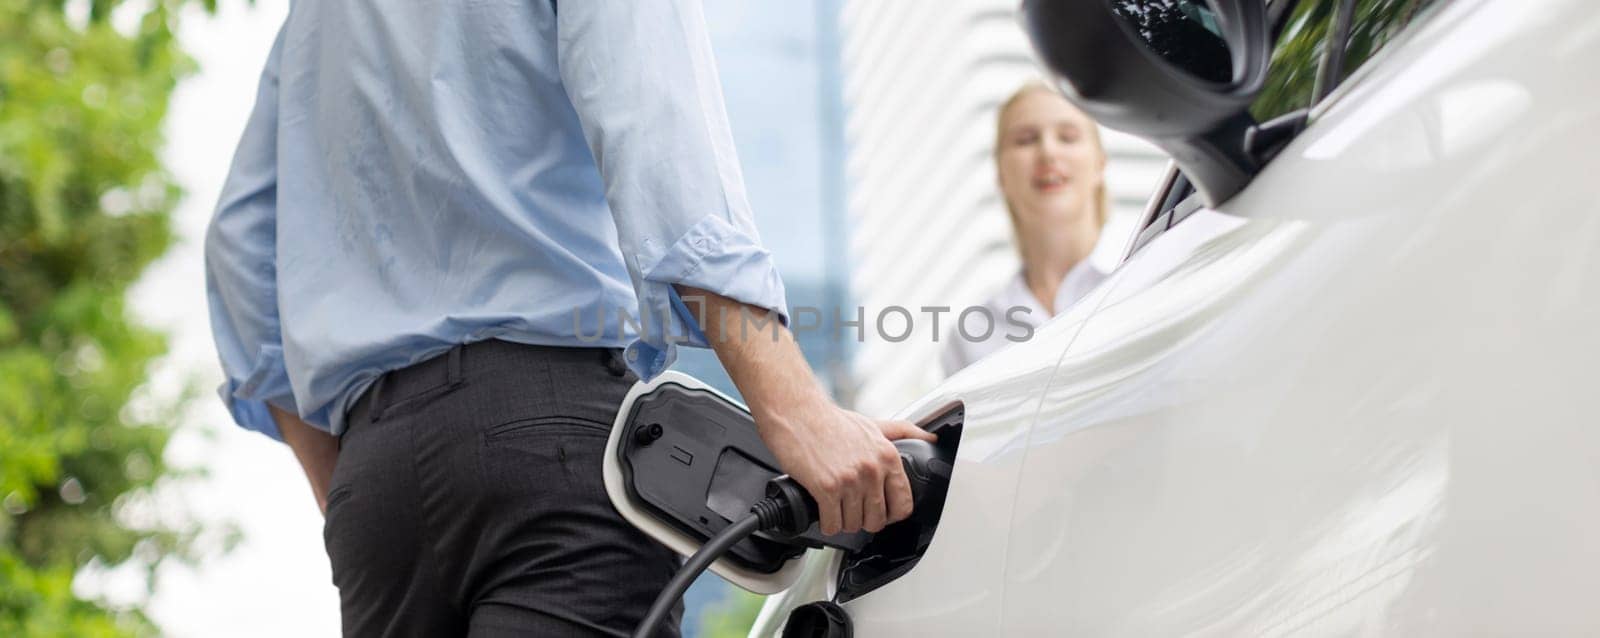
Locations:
468 501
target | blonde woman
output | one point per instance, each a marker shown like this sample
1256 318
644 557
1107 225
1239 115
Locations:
1051 171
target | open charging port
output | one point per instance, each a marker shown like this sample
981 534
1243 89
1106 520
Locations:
685 464
891 553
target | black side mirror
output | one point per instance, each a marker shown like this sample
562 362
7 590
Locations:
1179 73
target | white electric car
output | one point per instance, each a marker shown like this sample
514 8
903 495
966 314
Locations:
1348 387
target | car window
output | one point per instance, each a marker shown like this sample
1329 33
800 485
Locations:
1300 73
1376 22
1292 77
1292 74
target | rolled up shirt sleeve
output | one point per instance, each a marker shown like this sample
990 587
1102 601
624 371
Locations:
644 84
241 271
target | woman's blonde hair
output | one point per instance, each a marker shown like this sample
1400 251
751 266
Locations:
1101 199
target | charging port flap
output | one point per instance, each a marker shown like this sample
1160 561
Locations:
683 462
892 553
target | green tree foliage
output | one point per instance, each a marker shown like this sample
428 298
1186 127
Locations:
84 208
732 617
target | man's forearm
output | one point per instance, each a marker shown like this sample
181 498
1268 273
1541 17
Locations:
760 355
316 450
844 460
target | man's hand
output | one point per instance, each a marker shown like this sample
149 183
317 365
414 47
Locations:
845 460
316 450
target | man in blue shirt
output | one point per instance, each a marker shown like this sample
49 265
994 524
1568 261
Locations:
415 270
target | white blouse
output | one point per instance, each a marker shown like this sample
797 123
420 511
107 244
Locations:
1006 309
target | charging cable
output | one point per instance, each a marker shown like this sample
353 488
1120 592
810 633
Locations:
787 509
786 513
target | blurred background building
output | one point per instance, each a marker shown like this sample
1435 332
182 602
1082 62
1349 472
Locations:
926 223
780 79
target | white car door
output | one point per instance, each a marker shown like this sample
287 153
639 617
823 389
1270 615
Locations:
1358 397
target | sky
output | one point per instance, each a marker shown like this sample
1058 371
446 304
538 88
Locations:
276 582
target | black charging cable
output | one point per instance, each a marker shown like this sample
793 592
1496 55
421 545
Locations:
787 509
786 513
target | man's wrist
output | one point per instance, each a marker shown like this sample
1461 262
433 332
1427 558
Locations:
779 411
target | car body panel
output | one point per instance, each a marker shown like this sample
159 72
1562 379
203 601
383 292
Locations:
958 584
1382 425
1356 398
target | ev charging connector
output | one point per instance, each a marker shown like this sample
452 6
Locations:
685 465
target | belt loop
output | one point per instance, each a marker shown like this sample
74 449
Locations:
374 399
453 366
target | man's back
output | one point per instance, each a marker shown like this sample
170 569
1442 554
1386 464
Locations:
428 197
433 185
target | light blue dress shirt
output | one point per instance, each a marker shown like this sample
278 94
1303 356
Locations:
427 173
